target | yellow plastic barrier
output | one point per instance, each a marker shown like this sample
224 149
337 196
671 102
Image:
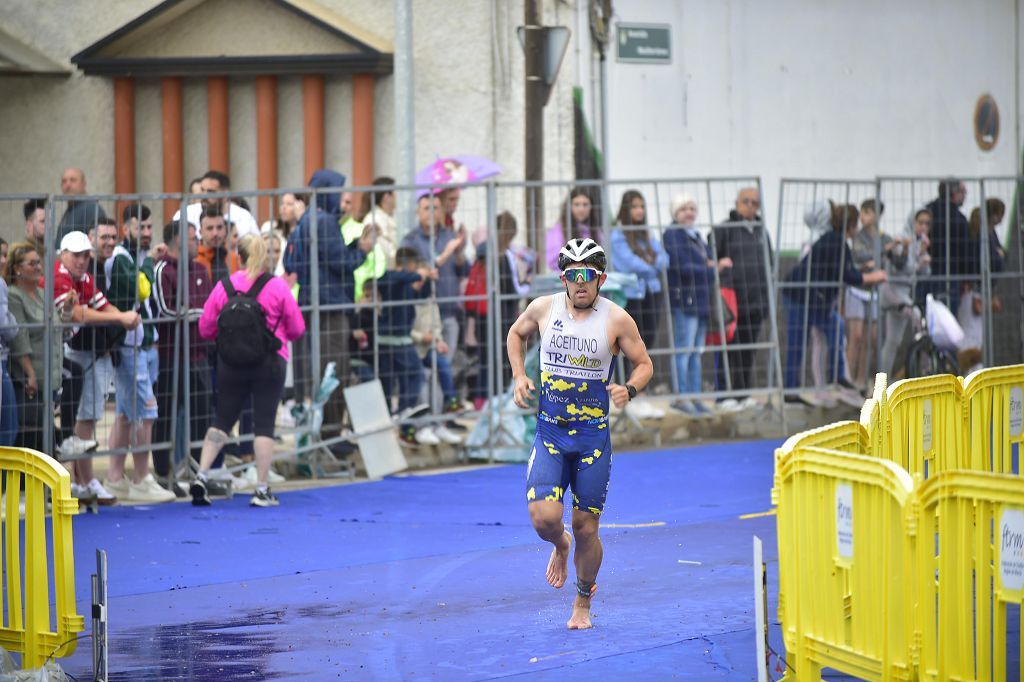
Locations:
28 624
844 562
967 578
845 436
886 575
994 418
924 424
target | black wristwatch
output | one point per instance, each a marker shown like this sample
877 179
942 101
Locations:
632 390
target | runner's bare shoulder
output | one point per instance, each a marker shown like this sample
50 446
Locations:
620 323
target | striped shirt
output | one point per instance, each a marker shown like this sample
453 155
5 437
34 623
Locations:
88 293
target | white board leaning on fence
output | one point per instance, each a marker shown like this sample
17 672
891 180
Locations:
368 409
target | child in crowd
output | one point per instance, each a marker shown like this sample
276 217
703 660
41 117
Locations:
365 321
399 363
432 349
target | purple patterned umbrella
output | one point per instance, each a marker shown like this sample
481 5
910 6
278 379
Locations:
456 170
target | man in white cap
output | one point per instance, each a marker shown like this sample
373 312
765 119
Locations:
80 302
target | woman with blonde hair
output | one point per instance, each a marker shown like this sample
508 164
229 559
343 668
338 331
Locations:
252 352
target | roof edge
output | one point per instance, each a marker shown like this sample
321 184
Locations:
378 64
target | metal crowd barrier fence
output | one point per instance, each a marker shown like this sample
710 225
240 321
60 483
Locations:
957 239
40 618
748 365
690 364
827 323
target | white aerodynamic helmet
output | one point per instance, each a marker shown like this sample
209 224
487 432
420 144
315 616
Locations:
582 251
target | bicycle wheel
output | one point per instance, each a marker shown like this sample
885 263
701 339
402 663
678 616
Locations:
947 363
922 358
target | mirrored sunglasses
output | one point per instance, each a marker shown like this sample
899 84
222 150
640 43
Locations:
581 275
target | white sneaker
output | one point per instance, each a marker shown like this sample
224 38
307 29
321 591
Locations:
426 436
442 432
117 488
148 490
237 482
73 445
750 404
655 412
284 417
729 405
79 491
102 495
250 475
636 410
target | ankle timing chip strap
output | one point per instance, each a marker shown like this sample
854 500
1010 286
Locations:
584 588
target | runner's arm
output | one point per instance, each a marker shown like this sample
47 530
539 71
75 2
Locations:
521 330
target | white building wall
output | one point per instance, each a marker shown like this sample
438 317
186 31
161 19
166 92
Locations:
778 89
828 89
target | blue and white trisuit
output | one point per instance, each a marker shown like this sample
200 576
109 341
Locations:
572 448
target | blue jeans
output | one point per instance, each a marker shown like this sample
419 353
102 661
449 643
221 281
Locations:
401 365
8 408
690 331
828 321
444 374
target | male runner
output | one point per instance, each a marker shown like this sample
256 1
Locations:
581 332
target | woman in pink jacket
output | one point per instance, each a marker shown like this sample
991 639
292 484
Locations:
263 380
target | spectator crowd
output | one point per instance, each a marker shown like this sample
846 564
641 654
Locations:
412 310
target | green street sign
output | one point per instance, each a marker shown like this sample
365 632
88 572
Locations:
644 43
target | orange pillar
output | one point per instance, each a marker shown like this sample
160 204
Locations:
362 129
173 148
124 138
312 124
266 141
217 123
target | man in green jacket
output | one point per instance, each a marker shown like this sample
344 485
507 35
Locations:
129 278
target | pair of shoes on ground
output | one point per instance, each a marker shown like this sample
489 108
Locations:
734 405
694 409
428 435
436 434
146 490
643 409
93 491
201 497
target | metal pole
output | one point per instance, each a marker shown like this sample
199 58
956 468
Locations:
183 387
774 354
48 389
405 107
533 39
876 295
314 313
495 350
986 284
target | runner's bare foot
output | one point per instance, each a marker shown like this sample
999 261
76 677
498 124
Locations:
558 566
580 619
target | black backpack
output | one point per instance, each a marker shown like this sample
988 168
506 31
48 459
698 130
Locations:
243 339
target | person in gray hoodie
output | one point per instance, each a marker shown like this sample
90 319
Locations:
906 261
